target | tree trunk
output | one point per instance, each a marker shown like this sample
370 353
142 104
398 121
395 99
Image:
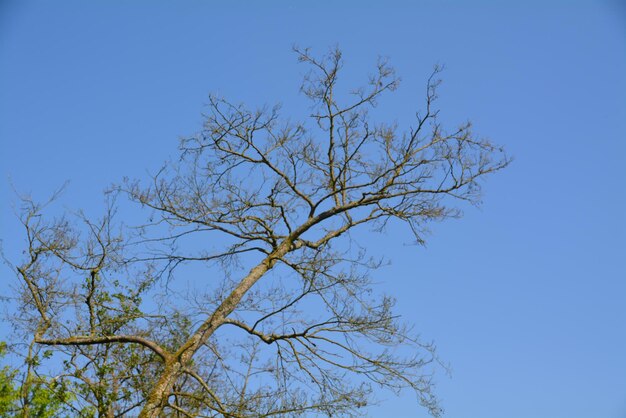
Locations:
157 399
175 365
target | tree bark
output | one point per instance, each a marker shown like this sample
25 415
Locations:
175 365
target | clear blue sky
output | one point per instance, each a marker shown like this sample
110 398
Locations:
525 297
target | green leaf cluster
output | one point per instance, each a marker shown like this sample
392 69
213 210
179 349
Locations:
35 396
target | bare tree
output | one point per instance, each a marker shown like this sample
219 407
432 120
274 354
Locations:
256 216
